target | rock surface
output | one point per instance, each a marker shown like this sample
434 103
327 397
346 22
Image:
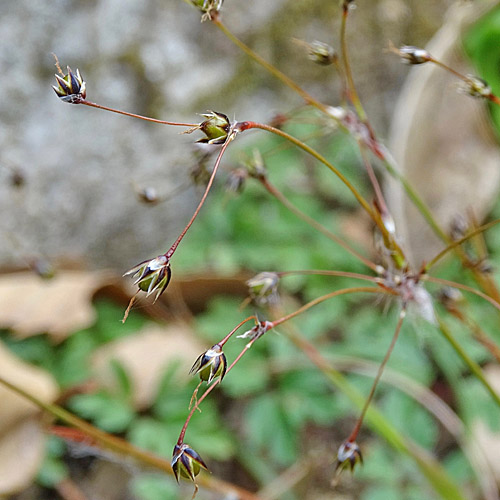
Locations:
67 173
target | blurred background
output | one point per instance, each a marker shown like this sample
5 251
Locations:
74 210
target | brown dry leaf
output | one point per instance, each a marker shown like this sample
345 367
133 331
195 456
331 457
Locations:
59 306
22 441
442 142
145 356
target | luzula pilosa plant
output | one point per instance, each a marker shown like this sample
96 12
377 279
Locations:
391 275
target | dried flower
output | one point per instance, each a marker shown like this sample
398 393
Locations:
186 462
71 88
257 331
412 55
152 275
475 87
348 455
210 364
322 53
263 288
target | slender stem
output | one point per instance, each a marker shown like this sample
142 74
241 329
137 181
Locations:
121 446
323 272
269 67
252 125
357 427
389 164
352 93
473 366
457 243
209 390
172 249
318 300
133 115
374 181
316 225
231 333
466 288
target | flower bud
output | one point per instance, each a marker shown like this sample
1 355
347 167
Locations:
475 87
211 364
186 462
348 456
152 275
71 88
413 55
216 127
263 288
322 53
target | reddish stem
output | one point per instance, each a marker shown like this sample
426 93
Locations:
231 333
133 115
357 427
172 249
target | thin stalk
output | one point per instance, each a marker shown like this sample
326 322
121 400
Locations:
457 243
235 329
352 94
466 288
318 300
313 223
120 446
269 67
388 162
323 272
133 115
209 390
357 427
247 125
472 365
172 249
428 465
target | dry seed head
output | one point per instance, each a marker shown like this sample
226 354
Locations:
412 55
186 462
70 87
348 456
475 87
211 364
152 275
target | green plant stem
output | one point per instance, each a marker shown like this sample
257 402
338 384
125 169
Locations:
324 272
457 243
466 288
122 447
352 94
269 67
331 295
248 125
359 423
313 223
472 365
133 115
428 465
173 248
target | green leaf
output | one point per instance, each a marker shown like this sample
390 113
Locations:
52 472
155 487
108 413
